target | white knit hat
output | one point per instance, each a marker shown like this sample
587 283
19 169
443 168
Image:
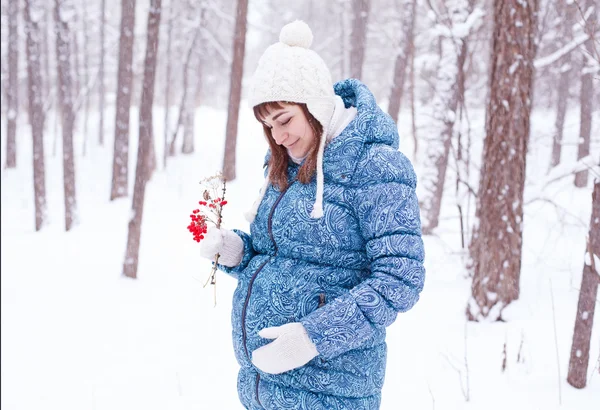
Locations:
289 71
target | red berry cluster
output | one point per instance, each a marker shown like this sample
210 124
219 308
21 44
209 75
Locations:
198 225
214 203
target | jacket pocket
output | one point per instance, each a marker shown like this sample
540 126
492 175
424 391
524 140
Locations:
321 300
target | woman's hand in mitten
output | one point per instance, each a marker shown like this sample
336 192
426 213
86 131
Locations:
292 348
224 242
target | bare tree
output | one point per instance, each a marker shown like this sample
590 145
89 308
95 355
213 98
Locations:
32 14
190 112
63 11
496 273
235 90
12 90
101 91
86 71
358 37
584 320
124 86
188 128
75 55
193 83
184 102
192 105
567 10
449 92
130 264
408 8
587 91
168 82
411 91
46 26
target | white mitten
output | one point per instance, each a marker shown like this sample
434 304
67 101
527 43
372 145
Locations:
292 348
226 243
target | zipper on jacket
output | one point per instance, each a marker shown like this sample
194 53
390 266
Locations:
258 381
270 228
246 305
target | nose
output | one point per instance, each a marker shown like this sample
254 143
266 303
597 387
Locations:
279 136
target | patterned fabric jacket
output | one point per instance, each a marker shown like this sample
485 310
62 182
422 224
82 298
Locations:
344 276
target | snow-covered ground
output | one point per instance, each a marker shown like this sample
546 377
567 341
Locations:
77 335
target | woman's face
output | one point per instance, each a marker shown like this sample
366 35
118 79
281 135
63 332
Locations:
290 128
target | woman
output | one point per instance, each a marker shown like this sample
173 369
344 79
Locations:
334 250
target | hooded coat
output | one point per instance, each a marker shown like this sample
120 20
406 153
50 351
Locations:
344 276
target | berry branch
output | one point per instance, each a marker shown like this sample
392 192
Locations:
210 211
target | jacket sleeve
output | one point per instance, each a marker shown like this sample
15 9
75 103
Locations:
389 219
249 253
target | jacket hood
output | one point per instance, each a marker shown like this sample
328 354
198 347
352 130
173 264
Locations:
370 126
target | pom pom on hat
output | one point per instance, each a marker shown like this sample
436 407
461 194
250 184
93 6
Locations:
296 34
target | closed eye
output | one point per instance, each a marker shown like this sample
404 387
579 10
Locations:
287 121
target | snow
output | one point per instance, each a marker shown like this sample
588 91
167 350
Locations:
77 335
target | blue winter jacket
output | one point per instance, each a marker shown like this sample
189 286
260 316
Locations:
344 276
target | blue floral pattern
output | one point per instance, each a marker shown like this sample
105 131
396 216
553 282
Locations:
363 258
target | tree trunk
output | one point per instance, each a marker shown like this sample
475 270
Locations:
584 321
124 84
413 114
358 37
168 85
130 264
235 90
62 11
188 130
12 91
36 110
404 48
46 44
496 245
86 72
184 95
75 55
151 159
101 90
190 111
587 93
563 83
448 94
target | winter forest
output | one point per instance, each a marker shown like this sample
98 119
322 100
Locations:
114 111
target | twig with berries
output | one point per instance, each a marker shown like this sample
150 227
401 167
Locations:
211 211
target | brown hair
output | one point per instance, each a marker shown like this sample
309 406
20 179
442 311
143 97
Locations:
278 162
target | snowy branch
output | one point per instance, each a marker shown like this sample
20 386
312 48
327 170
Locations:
568 169
558 54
